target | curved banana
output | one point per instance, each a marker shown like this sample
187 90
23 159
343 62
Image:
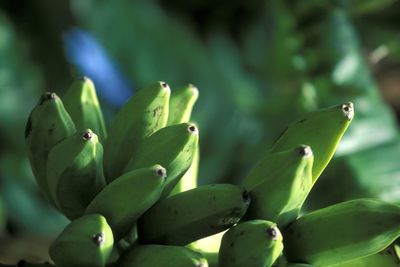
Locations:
181 104
342 232
256 243
321 130
75 172
173 147
142 115
48 123
82 104
279 184
124 200
159 255
384 258
189 179
188 216
208 247
86 241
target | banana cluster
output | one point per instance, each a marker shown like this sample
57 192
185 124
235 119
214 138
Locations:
132 197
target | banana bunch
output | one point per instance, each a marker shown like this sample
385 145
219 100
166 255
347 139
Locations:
132 197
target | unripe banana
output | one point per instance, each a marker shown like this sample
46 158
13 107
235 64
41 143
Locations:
188 216
256 243
384 258
181 104
279 184
208 247
140 117
75 172
321 130
173 147
124 200
165 256
189 179
48 123
86 241
342 232
82 104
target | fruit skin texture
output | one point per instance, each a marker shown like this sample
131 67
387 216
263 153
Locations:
86 241
342 232
188 216
48 123
159 255
124 200
384 258
181 104
256 243
279 184
75 172
321 130
82 104
142 115
173 147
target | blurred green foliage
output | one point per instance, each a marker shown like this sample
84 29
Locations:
258 66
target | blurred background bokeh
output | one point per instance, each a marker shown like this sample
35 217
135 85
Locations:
258 64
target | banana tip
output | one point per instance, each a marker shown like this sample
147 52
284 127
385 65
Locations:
273 233
99 239
246 197
47 96
305 151
161 172
348 110
192 129
164 85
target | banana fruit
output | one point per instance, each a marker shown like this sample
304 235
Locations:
279 184
188 216
86 241
125 199
384 258
142 115
48 123
256 243
75 172
321 130
342 232
159 255
173 147
82 104
181 104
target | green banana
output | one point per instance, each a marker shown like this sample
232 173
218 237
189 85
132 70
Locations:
86 241
384 258
159 255
279 184
124 200
181 104
75 172
189 179
208 247
48 123
321 130
82 104
255 243
173 147
342 232
188 216
142 115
